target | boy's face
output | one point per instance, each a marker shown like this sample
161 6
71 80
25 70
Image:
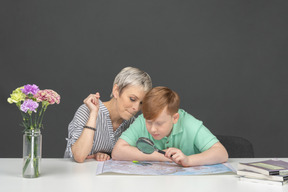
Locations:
162 125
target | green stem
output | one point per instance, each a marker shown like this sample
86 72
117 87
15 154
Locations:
39 117
36 170
26 164
31 123
42 115
25 120
35 120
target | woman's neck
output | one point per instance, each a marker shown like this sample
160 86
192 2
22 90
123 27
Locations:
113 112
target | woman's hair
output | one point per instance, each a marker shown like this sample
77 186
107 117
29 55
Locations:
157 99
132 76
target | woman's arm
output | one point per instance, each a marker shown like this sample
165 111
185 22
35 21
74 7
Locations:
82 147
123 151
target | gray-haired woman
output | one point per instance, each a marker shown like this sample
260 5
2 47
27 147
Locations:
97 125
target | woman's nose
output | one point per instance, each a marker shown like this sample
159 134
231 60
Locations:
136 106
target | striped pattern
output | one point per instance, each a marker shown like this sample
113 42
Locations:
104 138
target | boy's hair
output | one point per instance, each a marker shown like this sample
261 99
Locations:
157 99
132 76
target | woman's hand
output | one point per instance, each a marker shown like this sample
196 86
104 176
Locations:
99 156
177 156
92 102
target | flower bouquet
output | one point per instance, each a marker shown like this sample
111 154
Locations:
28 98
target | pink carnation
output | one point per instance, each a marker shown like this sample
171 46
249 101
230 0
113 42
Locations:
48 95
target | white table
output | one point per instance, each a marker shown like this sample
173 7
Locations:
66 175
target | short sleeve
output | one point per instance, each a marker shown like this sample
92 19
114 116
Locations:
204 139
136 129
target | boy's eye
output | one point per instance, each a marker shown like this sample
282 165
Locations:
159 123
149 123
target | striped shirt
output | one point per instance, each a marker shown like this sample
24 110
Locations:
104 137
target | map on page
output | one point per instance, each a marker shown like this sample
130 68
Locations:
158 168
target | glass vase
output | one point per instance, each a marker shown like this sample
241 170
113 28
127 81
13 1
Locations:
32 152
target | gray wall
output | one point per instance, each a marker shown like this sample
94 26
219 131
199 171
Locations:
226 59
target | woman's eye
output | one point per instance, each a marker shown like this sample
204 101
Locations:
132 99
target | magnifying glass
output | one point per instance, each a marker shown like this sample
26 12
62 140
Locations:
147 146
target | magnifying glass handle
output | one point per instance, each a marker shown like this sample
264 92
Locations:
163 152
160 151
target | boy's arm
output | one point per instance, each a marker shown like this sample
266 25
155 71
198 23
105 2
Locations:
125 152
214 155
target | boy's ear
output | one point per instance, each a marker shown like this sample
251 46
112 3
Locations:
175 118
115 91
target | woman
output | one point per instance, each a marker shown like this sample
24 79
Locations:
97 125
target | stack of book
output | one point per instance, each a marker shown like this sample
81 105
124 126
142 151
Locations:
273 172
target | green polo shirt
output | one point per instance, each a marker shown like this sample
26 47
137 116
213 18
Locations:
188 134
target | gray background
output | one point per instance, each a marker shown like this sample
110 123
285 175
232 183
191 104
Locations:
226 59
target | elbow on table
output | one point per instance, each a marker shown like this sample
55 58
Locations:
78 155
225 159
79 159
115 155
117 152
222 153
225 156
121 151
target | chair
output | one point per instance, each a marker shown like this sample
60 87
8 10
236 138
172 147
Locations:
237 147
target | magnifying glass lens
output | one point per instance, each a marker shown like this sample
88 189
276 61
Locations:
145 147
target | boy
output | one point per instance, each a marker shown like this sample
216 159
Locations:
185 139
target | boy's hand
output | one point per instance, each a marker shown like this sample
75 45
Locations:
177 156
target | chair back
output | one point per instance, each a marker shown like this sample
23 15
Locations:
237 147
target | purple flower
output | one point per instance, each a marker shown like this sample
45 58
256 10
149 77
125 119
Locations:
32 89
30 105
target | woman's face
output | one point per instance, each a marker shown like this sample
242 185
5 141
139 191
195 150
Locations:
129 102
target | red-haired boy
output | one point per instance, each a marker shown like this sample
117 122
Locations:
185 139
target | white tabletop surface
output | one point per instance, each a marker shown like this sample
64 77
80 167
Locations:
66 175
